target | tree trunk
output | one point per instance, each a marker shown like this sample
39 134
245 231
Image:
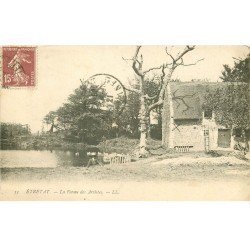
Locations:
165 125
143 126
148 126
245 139
167 120
52 128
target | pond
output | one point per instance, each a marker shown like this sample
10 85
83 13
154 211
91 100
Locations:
41 159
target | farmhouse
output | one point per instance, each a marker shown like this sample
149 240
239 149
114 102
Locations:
187 126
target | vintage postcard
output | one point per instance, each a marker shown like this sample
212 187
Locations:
125 122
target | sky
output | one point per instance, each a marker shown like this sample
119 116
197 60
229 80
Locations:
60 68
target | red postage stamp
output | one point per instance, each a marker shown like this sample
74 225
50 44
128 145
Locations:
18 66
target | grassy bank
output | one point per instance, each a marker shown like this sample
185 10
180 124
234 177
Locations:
123 145
51 141
41 142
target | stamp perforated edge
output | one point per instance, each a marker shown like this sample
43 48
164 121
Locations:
1 66
35 66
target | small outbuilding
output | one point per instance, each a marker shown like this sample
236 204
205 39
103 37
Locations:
187 126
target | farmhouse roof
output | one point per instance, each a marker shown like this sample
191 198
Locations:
188 97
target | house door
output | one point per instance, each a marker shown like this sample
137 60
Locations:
224 138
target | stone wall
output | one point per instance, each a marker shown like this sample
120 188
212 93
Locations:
189 133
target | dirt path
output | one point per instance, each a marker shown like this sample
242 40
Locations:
188 177
181 168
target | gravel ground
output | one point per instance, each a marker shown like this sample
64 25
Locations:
169 177
171 168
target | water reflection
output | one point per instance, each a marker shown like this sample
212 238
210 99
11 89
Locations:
70 158
41 159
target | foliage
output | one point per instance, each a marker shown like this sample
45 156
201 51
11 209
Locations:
152 89
128 122
240 72
49 119
200 80
10 130
230 105
119 145
124 145
12 134
83 118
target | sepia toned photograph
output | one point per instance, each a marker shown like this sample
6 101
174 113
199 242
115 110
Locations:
125 123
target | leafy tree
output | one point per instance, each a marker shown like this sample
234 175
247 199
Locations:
230 104
240 72
83 118
128 121
50 119
10 130
12 133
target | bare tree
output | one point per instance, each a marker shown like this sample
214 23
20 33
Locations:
149 103
163 94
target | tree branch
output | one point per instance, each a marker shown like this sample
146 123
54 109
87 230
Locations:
154 68
191 64
185 51
155 105
109 75
161 92
176 61
166 49
127 59
150 97
179 55
136 62
181 99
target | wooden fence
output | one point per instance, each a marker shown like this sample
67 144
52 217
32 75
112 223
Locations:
118 159
183 149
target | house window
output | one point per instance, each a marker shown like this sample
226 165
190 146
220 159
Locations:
206 132
208 113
